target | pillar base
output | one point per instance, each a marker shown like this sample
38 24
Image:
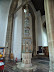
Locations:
26 59
20 66
26 65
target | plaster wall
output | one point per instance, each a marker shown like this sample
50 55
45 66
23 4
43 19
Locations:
17 34
44 33
44 37
41 31
4 11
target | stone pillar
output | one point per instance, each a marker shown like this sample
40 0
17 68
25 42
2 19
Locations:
34 21
49 13
9 37
36 33
10 27
39 29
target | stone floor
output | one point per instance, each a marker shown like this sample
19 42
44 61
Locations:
42 65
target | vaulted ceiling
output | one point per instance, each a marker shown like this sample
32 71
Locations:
39 5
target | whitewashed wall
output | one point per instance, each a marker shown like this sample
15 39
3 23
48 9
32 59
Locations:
4 11
17 34
41 31
44 37
44 33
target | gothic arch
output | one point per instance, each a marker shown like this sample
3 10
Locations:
34 25
10 23
13 6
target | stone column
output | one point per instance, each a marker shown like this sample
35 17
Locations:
49 13
9 37
36 33
10 27
34 14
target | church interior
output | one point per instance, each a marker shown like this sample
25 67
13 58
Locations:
26 35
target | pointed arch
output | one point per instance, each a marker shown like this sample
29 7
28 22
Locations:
10 24
34 25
